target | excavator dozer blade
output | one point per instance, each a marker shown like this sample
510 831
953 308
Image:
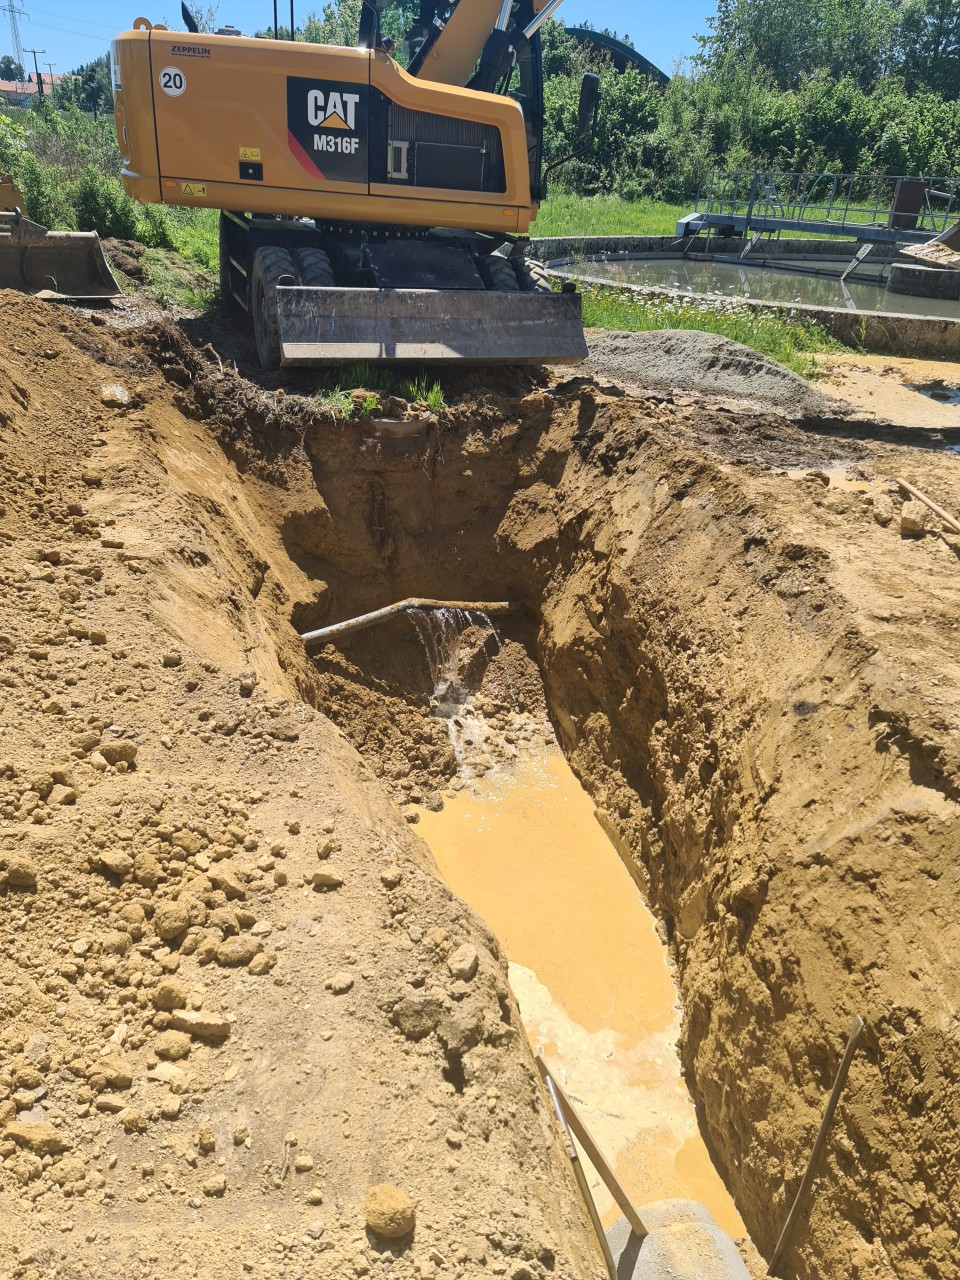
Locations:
330 326
944 251
66 265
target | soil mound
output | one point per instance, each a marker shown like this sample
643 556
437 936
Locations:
684 360
226 1008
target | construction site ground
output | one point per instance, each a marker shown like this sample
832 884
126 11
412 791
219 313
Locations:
245 1028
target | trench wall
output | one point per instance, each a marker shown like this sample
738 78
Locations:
734 730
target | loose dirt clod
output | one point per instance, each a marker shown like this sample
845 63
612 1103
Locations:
390 1212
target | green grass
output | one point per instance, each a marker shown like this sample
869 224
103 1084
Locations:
375 382
421 391
565 215
196 235
166 283
794 342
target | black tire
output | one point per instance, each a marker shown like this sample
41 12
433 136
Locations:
532 276
229 306
498 275
269 265
313 268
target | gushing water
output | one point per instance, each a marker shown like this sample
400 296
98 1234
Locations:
441 634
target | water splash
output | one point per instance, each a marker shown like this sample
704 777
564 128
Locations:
441 633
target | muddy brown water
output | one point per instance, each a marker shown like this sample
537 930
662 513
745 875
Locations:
523 847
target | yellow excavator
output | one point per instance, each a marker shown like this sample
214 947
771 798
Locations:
369 211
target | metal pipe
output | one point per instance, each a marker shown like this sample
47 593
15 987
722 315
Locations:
950 521
380 615
292 35
504 18
582 1183
541 18
276 26
825 1125
599 1160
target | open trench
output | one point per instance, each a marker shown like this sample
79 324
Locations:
784 800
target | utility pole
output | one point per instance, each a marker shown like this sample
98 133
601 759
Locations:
36 68
50 66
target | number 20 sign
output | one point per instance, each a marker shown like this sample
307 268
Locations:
173 81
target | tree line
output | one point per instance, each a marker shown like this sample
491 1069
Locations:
826 85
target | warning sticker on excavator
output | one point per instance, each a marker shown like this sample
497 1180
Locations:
249 153
193 188
328 128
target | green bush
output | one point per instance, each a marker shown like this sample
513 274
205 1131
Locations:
153 227
101 204
45 192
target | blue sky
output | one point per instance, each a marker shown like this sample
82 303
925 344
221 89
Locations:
73 33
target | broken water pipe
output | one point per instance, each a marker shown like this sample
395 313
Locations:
365 620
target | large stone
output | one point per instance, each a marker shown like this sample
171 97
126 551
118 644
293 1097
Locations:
170 994
40 1138
21 871
171 919
233 952
205 1026
329 876
115 1071
916 519
116 862
114 752
147 870
172 1045
463 963
390 1212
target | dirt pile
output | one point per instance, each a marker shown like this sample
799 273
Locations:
227 1006
752 671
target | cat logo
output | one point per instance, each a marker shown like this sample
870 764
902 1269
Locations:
328 125
333 110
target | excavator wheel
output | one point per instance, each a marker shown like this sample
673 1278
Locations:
270 265
532 276
498 274
313 268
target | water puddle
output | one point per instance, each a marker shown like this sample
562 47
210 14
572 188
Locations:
523 847
942 392
834 476
794 281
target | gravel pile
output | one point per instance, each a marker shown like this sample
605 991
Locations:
688 360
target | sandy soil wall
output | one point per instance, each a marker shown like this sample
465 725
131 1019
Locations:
234 995
753 674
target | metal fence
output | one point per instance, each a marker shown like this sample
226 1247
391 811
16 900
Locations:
831 202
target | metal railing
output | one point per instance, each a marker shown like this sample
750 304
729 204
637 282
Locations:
833 201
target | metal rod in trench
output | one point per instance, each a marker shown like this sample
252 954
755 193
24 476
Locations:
826 1124
597 1158
581 1178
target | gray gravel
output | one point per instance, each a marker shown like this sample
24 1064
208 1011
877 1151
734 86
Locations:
688 360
